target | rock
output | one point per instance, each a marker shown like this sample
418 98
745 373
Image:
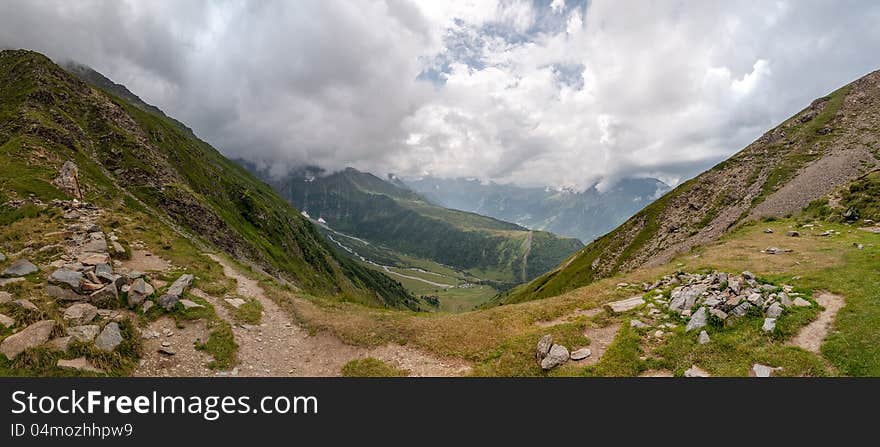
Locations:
658 333
172 295
784 299
697 321
134 274
166 351
748 275
774 311
558 355
2 257
800 302
720 314
775 250
95 246
684 298
108 296
67 277
118 248
6 321
626 305
769 325
27 305
85 333
712 301
63 294
741 309
80 314
793 234
759 370
756 299
110 337
7 281
68 180
59 343
768 230
581 354
735 285
79 364
95 259
148 335
637 324
187 304
703 338
105 272
544 345
21 267
137 293
5 297
147 306
29 337
695 371
235 302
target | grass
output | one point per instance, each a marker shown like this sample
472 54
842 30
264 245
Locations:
371 367
249 313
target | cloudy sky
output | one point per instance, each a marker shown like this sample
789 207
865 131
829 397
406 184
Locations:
558 93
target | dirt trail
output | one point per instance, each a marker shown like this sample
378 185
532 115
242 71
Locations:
280 347
812 335
600 339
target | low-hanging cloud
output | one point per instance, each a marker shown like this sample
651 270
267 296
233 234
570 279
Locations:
559 93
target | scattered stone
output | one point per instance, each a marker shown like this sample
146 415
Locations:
187 304
147 306
26 304
774 311
775 250
62 294
784 299
2 257
768 230
741 309
826 233
793 234
65 276
59 343
30 337
80 314
6 321
697 321
800 302
95 259
703 338
5 297
105 297
85 333
19 268
235 302
581 354
79 364
658 333
138 292
147 335
558 355
544 345
118 248
7 281
695 371
172 295
95 246
110 337
68 180
759 370
166 351
748 275
636 324
769 325
626 305
134 274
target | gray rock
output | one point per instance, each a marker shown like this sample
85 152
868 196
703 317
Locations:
105 297
147 306
695 371
137 293
6 321
109 338
85 333
166 351
79 364
2 257
637 324
95 246
759 370
800 302
26 304
712 301
544 345
748 275
68 277
134 274
105 272
62 294
793 234
5 297
59 344
774 311
21 267
741 309
68 180
238 302
626 305
756 299
581 354
698 320
172 295
187 304
95 258
784 299
703 338
769 325
29 337
558 355
80 314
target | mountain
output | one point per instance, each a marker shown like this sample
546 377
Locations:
387 213
132 158
824 146
584 215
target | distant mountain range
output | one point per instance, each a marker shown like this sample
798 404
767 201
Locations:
583 215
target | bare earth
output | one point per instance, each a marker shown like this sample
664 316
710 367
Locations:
600 339
811 336
144 261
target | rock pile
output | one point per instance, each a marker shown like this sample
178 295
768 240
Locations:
551 355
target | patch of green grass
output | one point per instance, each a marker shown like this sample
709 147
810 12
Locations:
249 313
371 367
221 345
621 359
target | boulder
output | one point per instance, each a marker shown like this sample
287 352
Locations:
21 267
80 314
95 259
79 364
558 355
769 325
735 285
800 302
105 272
756 299
784 299
62 294
137 293
626 305
703 338
109 338
172 295
6 321
29 337
105 297
581 354
774 311
85 333
741 309
26 305
59 343
543 347
698 320
95 246
684 298
748 275
68 277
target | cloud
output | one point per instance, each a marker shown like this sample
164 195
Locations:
561 93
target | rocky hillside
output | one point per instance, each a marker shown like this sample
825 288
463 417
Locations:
127 155
828 144
584 215
383 212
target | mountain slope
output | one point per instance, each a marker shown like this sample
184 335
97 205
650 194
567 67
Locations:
583 215
368 207
49 116
824 146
